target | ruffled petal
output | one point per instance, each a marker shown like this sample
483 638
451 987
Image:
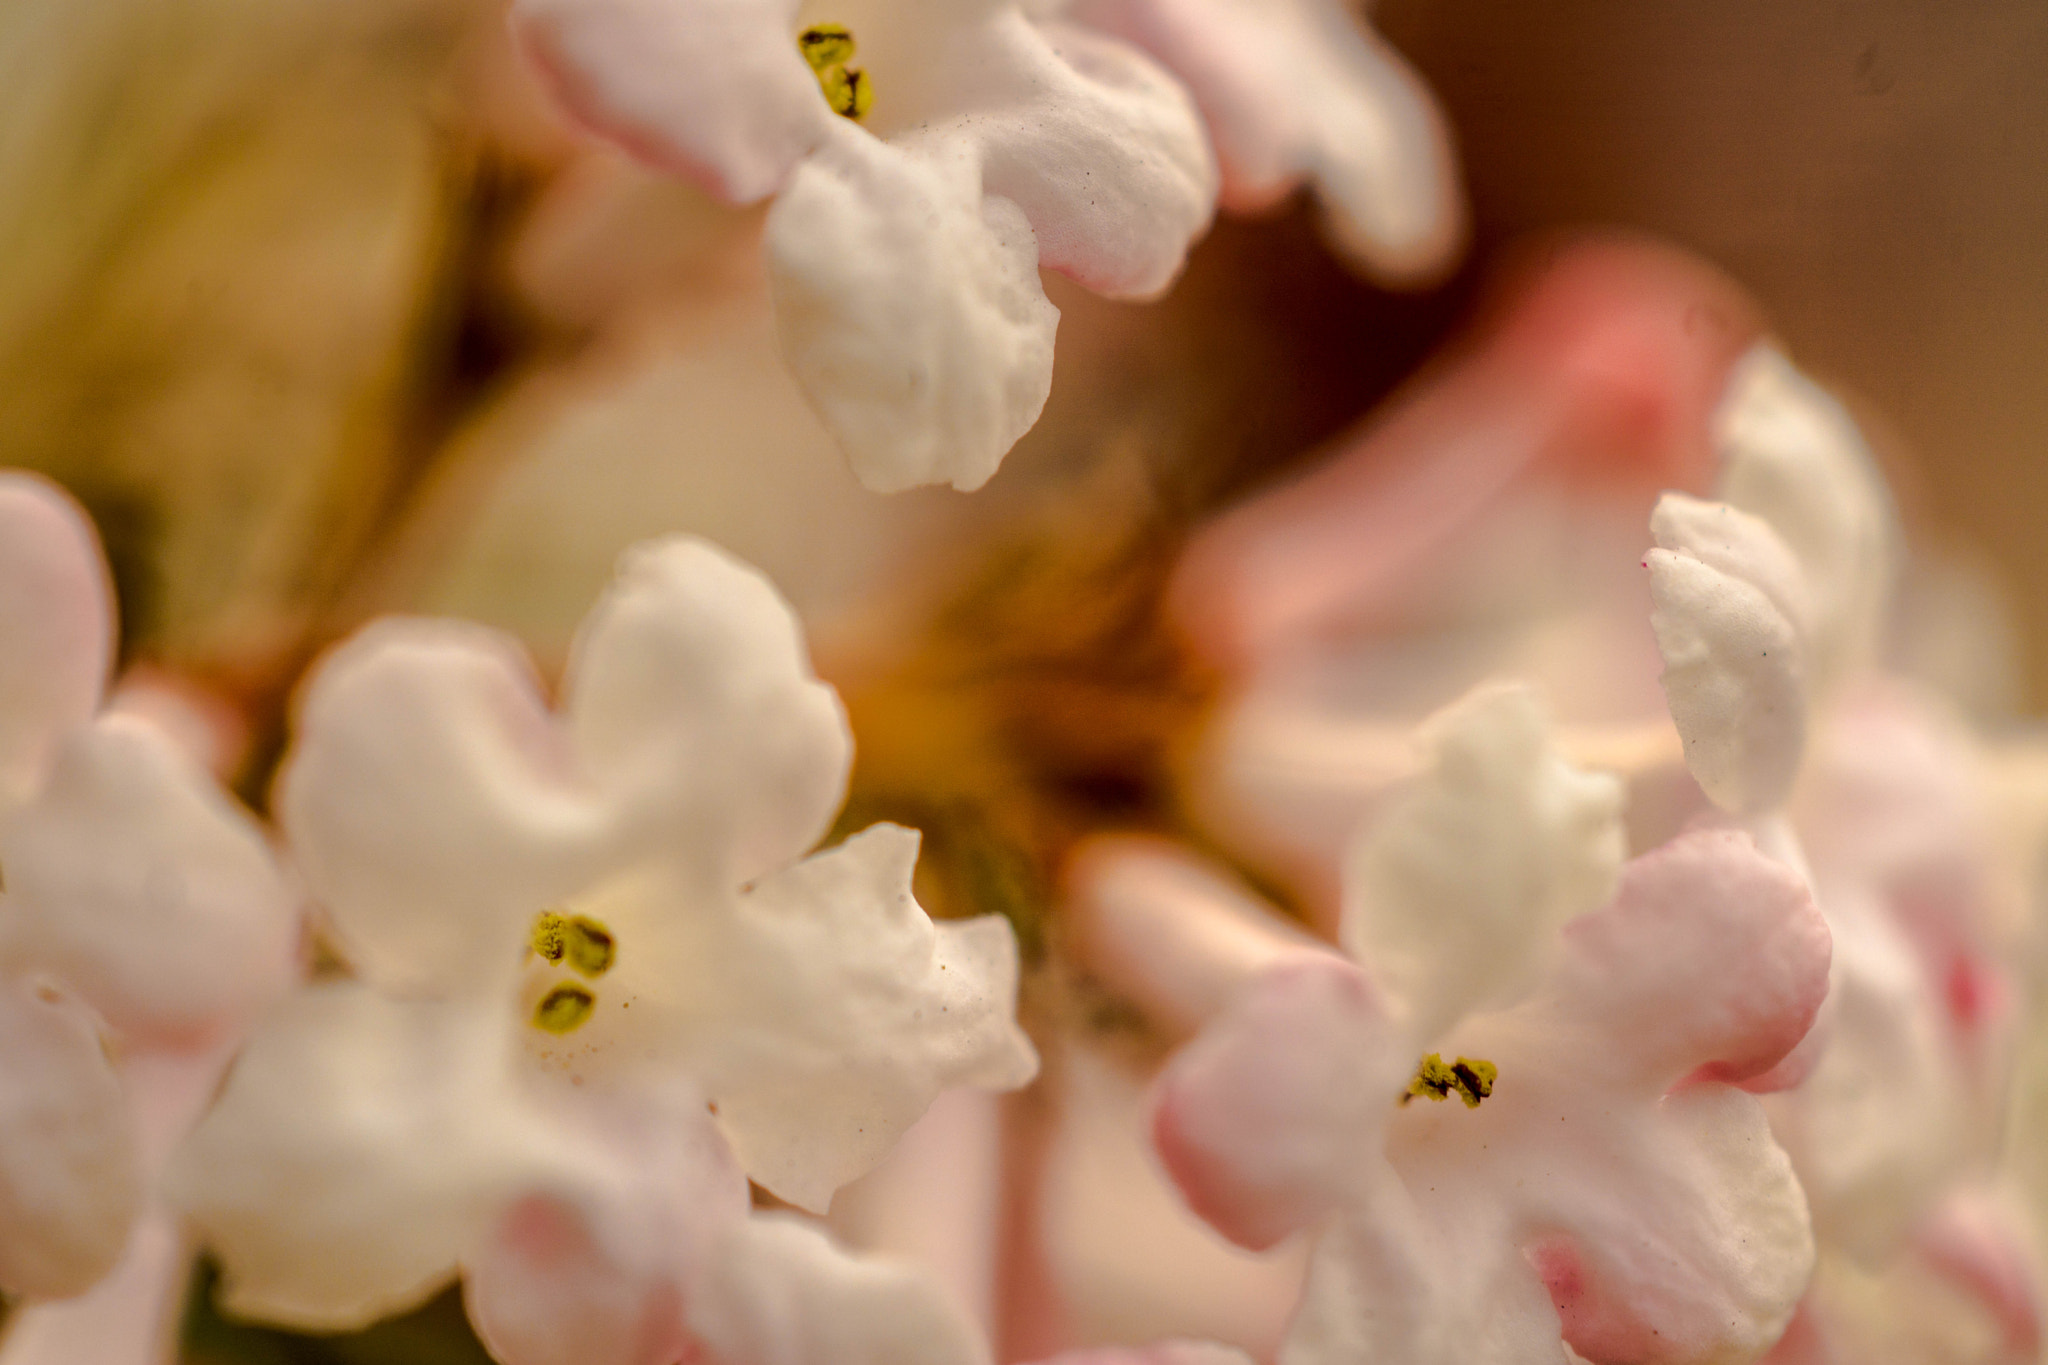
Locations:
1173 1352
135 881
593 1268
56 628
909 308
70 1168
837 1010
714 90
777 1292
1734 678
1100 148
432 805
1272 1116
1454 895
693 706
1792 455
361 1147
1711 962
1298 91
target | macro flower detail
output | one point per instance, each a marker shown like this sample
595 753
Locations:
903 249
1614 1188
598 984
1300 91
143 922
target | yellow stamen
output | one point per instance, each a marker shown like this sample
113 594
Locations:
828 48
1470 1078
584 944
564 1009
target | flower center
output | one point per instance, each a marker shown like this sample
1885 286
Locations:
828 48
1471 1079
585 947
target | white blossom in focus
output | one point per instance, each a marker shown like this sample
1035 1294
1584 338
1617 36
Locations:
143 922
1587 1170
979 144
598 984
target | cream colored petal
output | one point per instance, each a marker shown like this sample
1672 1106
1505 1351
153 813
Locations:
70 1168
777 1292
909 308
56 627
712 89
431 804
834 1011
692 704
133 879
1454 895
1791 454
1734 678
361 1147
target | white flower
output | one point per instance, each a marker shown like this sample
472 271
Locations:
142 920
905 239
597 979
1590 1172
1300 91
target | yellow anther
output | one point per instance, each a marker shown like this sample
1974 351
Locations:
564 1009
581 942
828 48
1470 1078
826 45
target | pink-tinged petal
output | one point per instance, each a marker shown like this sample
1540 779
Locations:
714 90
1792 455
1271 1116
128 1318
71 1181
829 1011
1601 367
1099 148
777 1292
592 1265
1452 896
693 707
135 881
1976 1243
1295 92
909 308
432 805
1171 932
1735 680
1153 1353
361 1147
56 627
1712 962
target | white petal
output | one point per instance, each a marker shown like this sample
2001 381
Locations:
56 627
1453 896
1791 455
909 308
70 1170
133 879
693 705
1099 147
1735 681
1297 91
360 1148
431 803
592 1267
839 1010
1731 541
779 1293
712 89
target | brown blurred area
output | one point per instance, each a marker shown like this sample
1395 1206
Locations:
1876 171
